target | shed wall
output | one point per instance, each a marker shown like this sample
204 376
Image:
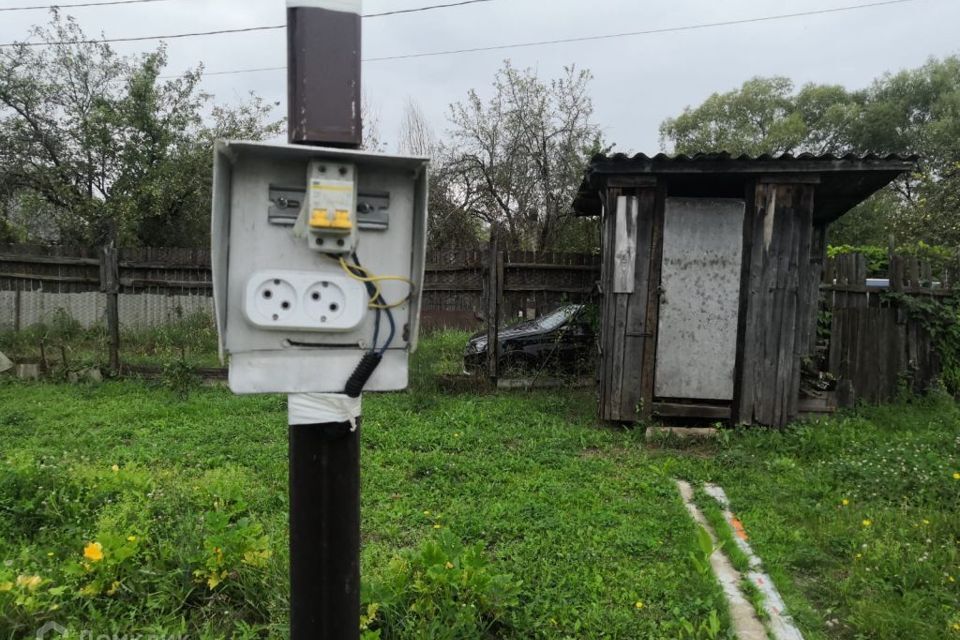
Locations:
628 328
781 302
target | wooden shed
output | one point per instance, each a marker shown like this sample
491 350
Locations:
710 277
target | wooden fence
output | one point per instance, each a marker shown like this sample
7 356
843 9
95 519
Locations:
875 344
157 284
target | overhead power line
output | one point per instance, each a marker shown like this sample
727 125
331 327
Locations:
73 6
218 32
420 9
646 32
706 25
517 45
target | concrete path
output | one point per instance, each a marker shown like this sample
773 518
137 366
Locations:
746 623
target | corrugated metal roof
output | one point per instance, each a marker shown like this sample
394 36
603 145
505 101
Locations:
766 157
843 181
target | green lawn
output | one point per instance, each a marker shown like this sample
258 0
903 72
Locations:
187 500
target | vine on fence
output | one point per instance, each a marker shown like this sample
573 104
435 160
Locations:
939 317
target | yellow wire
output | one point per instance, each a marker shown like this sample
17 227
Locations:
367 277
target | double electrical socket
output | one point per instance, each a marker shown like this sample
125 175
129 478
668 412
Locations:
304 301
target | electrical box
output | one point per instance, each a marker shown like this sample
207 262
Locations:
318 259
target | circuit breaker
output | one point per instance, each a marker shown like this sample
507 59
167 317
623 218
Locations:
331 207
318 260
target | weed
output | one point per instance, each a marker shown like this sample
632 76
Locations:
714 515
441 590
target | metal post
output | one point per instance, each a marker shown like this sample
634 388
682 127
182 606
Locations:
324 107
324 531
323 75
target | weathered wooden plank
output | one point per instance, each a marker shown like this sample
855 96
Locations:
674 410
48 260
771 292
51 278
806 300
636 326
110 285
756 307
625 245
494 303
787 366
750 213
609 408
653 303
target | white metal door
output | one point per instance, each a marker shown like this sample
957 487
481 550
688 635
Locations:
699 305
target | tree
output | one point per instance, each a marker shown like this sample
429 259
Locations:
916 110
766 116
101 148
449 226
518 159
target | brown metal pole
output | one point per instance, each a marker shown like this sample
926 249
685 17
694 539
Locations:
323 76
324 109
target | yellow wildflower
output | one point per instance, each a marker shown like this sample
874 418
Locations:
449 565
426 513
49 554
131 538
93 552
639 604
859 555
925 521
867 522
436 526
950 578
30 582
845 502
956 475
115 468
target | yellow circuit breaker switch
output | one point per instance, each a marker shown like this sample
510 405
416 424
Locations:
332 203
320 219
342 220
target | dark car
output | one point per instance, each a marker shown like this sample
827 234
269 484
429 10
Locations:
560 340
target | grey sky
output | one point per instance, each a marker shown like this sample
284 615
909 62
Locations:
638 82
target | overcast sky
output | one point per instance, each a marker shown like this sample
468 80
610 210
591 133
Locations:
638 82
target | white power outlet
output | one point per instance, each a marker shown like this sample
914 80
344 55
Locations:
304 301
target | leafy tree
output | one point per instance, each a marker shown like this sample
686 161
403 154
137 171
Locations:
518 159
766 116
916 110
101 147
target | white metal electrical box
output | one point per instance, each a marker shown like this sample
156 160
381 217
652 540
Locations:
318 258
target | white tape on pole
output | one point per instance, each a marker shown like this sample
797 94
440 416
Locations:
347 6
322 408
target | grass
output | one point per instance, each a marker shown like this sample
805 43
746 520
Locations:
855 516
599 542
66 345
